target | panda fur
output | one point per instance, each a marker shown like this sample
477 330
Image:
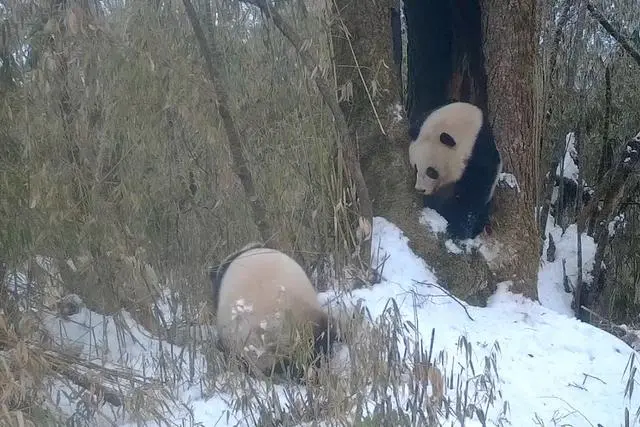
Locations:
456 165
263 301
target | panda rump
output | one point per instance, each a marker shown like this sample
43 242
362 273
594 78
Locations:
267 312
457 164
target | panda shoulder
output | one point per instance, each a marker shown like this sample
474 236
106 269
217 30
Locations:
216 273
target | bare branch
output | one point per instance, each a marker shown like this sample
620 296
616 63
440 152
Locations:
449 294
546 117
614 33
240 166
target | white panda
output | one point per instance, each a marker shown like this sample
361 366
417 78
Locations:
266 306
456 165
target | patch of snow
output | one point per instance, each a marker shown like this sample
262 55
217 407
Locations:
550 278
452 247
551 366
554 194
509 180
397 112
615 224
488 247
433 220
400 261
569 159
587 189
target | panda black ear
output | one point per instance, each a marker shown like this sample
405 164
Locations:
447 140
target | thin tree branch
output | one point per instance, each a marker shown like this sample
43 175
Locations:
345 144
606 156
579 145
614 33
240 166
547 188
449 294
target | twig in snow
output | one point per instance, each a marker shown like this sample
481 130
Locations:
569 405
449 294
591 376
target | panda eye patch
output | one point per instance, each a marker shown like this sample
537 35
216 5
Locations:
432 173
447 139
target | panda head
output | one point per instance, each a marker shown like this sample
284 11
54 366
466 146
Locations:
440 152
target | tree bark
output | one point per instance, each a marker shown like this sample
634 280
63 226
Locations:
510 52
469 83
606 156
363 49
429 66
382 138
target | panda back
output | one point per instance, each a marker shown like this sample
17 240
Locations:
263 295
264 276
216 273
485 163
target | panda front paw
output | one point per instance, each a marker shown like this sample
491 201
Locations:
467 227
457 233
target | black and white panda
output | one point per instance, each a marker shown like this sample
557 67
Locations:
456 164
268 314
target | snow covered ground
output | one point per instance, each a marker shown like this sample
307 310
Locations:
553 370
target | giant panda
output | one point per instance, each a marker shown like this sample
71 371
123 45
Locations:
267 313
456 165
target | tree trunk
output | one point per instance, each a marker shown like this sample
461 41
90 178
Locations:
457 68
469 82
510 51
429 66
383 140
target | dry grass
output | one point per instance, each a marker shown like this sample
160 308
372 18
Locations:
384 378
117 174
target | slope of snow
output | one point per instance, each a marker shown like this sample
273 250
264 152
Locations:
553 369
551 365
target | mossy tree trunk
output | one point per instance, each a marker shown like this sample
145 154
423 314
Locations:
502 85
366 57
